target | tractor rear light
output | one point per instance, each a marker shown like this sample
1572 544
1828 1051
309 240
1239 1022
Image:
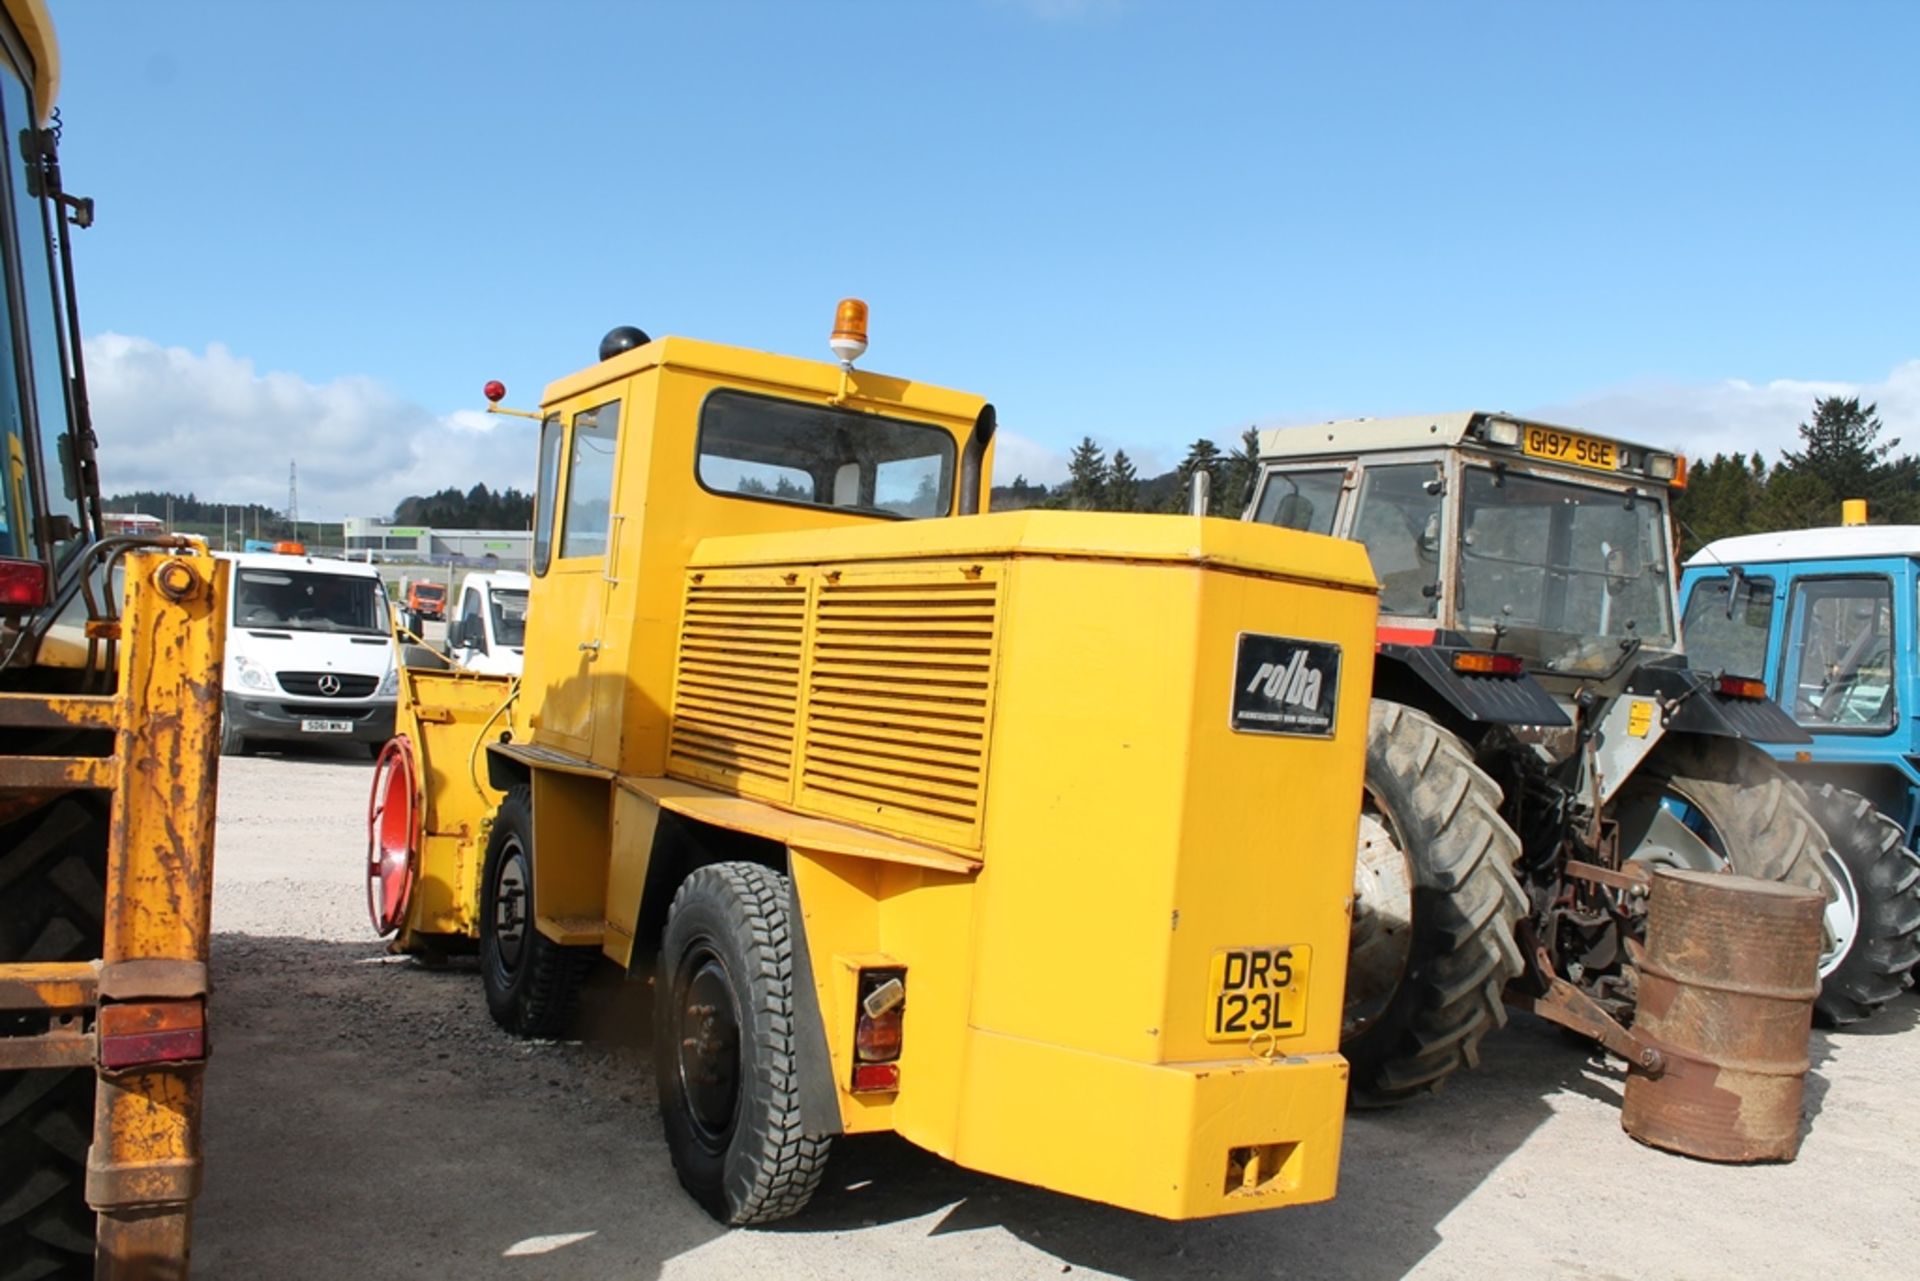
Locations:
1502 432
876 1078
141 1033
879 1029
23 584
1480 663
1662 466
1404 636
1741 687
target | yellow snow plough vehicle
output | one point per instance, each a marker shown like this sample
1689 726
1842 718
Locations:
916 819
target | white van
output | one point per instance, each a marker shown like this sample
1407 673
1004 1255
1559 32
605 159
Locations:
310 654
488 633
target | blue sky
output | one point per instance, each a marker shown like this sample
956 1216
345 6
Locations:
1145 222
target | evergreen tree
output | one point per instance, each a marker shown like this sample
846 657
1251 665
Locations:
1123 483
1844 453
1086 476
1723 497
1202 454
1241 470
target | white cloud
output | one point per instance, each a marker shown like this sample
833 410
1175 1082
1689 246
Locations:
210 424
1735 416
1015 455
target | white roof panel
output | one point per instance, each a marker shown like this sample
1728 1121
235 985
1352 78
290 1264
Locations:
1833 542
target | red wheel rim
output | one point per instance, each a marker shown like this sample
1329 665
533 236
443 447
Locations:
393 836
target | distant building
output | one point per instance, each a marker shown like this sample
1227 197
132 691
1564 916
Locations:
133 523
381 540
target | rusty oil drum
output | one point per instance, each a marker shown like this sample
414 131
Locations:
1726 989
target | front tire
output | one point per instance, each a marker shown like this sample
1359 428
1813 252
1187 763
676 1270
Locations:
531 982
724 1054
232 741
1436 905
52 901
1881 877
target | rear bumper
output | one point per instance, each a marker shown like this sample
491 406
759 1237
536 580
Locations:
267 717
1174 1141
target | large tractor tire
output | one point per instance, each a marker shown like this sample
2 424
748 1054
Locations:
52 900
725 1061
1436 903
1872 929
1740 813
531 982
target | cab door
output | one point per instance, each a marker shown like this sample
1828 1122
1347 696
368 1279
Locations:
577 661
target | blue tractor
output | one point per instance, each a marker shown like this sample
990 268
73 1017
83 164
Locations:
1827 618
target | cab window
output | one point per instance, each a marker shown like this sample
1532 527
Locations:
472 627
583 531
1304 500
1840 657
547 492
1398 519
41 327
776 450
1725 628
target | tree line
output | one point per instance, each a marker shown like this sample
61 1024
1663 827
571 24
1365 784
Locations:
1841 456
1097 482
450 508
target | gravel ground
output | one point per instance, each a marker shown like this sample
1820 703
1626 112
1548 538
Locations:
366 1119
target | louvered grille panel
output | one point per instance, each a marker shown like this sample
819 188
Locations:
738 684
898 701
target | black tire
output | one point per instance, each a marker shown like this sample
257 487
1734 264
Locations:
1458 951
232 741
52 898
1757 816
374 750
531 982
724 1055
1885 879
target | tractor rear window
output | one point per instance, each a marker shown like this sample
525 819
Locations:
1301 499
815 455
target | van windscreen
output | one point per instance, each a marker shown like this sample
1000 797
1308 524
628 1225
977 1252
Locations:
294 600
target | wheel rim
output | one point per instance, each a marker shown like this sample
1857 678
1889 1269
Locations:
707 1033
1382 941
1842 921
510 906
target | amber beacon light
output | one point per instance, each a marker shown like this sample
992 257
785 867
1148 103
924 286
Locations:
849 341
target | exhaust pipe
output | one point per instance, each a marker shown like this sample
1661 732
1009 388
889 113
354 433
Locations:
972 458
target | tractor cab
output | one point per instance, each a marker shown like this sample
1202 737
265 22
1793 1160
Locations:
1519 538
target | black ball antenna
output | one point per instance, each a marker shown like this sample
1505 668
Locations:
622 338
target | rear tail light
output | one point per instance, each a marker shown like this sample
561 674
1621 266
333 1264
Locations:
141 1033
1741 687
878 1030
23 584
1479 663
875 1078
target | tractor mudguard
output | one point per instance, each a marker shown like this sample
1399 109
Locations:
1402 672
1695 706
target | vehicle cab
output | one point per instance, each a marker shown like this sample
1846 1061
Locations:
1827 619
310 654
489 633
1516 537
